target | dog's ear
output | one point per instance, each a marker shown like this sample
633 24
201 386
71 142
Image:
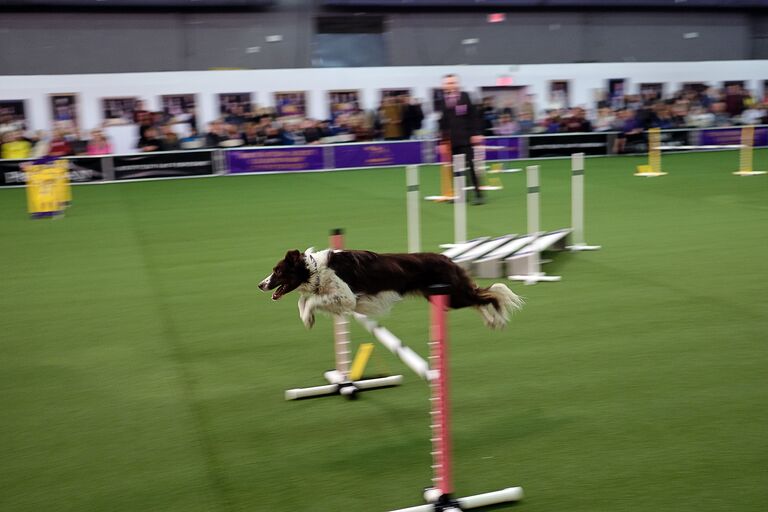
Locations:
293 256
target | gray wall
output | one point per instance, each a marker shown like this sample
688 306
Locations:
51 43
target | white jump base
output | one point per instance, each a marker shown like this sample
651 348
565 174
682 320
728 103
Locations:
487 499
344 388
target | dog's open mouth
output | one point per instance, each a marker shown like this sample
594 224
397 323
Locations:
278 292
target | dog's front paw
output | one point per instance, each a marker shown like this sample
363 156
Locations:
302 305
308 317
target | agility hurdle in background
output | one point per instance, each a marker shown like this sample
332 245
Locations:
521 253
346 378
447 173
746 153
48 189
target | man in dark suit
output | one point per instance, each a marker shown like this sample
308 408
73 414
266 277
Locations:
461 126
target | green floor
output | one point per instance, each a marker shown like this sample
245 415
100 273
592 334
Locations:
142 370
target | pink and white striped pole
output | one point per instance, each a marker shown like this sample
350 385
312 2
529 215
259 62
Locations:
440 400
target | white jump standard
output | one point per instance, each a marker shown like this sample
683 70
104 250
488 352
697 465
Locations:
339 382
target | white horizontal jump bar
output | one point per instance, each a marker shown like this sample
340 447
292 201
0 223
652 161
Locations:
476 501
411 359
726 146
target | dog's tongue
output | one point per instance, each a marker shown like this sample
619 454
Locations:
278 293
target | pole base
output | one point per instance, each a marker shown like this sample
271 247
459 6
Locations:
478 500
583 247
535 278
650 174
748 173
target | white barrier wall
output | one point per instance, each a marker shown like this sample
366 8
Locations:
584 80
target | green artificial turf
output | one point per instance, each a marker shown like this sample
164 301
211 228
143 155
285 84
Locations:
142 370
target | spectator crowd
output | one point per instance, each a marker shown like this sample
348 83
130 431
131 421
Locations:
398 118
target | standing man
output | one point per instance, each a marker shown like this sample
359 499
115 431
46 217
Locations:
461 126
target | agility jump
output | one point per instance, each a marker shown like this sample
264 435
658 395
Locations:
520 252
655 148
439 496
341 380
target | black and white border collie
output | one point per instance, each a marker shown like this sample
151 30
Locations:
342 282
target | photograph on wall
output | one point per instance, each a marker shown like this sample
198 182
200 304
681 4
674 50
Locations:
13 115
698 87
558 95
235 105
728 83
180 109
509 99
64 110
617 90
343 102
652 91
117 111
393 93
291 103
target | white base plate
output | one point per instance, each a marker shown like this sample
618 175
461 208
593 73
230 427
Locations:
535 278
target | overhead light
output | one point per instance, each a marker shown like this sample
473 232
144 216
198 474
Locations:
471 40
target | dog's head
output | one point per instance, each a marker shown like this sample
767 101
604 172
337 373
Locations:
289 273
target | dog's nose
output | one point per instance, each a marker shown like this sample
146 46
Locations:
264 285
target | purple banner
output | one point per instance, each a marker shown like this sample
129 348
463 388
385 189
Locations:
502 148
350 156
300 158
727 136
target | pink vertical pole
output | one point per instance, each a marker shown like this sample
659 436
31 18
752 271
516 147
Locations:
441 434
337 239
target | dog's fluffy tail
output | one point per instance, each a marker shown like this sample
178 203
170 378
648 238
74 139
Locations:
502 303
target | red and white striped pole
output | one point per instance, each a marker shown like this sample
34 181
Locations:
441 434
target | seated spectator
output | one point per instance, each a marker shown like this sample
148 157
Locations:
215 135
232 138
192 140
253 135
15 147
721 117
169 139
576 122
236 115
755 114
489 117
78 144
41 145
506 126
311 131
699 118
604 120
59 146
629 130
150 141
525 123
98 145
413 117
273 137
733 102
551 123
